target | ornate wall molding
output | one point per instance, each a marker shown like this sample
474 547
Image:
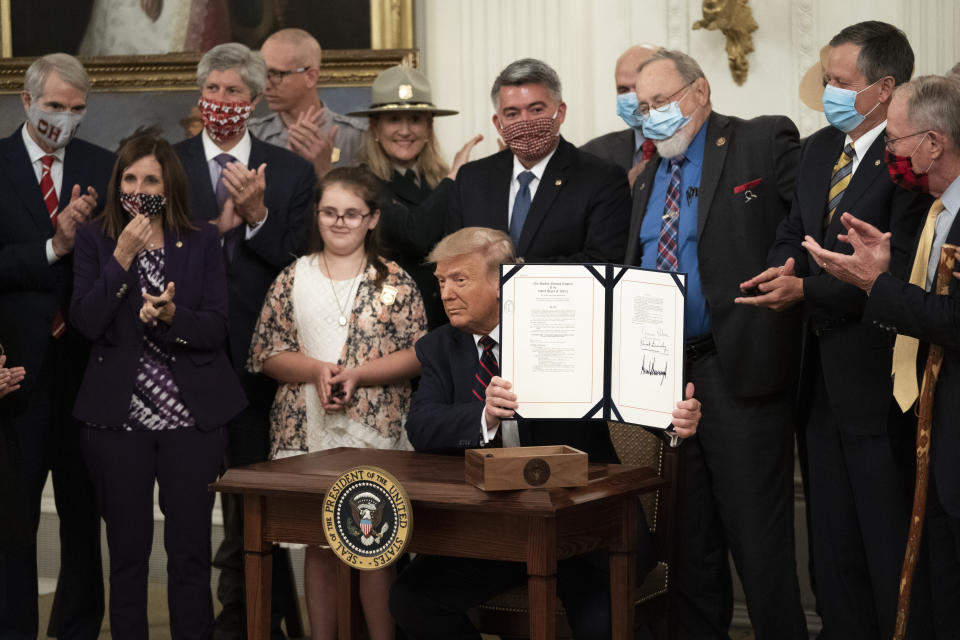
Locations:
806 46
177 71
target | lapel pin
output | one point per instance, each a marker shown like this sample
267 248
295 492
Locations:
558 183
642 186
721 141
179 244
876 163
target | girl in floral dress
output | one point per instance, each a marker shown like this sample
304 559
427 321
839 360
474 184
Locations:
337 330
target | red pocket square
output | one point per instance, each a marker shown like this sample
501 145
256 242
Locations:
747 185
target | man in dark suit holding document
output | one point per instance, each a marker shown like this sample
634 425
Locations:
459 405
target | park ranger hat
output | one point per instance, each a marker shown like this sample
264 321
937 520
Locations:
401 89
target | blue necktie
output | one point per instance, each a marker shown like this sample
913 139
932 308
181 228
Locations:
521 206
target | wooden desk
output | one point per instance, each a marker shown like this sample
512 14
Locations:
283 498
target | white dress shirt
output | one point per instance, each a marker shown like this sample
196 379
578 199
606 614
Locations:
862 144
242 153
518 168
951 203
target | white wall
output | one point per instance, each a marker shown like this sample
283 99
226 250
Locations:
465 43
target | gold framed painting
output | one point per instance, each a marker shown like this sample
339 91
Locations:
154 45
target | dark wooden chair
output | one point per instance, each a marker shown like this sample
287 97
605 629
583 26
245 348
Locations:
506 614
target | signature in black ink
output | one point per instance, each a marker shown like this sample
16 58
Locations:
652 370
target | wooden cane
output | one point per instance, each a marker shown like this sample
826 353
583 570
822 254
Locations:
925 419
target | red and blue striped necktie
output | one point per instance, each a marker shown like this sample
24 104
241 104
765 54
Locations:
487 367
669 245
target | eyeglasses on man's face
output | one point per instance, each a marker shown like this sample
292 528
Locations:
276 76
889 142
643 109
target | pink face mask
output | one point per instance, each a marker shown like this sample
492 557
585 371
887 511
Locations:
531 140
224 120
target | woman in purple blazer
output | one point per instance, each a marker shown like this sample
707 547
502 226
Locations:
150 292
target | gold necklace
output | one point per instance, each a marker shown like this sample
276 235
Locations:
342 321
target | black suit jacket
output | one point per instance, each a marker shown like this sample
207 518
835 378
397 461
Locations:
900 307
256 262
31 290
854 357
445 415
579 213
411 223
759 350
617 147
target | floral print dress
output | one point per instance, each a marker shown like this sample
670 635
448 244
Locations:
300 315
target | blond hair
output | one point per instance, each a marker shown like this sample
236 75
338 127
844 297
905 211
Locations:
495 246
309 52
430 161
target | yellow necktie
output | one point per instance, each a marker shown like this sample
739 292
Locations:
842 174
905 388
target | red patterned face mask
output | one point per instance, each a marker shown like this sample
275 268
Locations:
531 140
224 120
902 173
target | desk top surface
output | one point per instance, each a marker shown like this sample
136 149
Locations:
430 480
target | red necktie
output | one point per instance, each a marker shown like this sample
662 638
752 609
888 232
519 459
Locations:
53 202
486 369
646 150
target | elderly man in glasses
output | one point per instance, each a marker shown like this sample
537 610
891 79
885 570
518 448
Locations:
300 121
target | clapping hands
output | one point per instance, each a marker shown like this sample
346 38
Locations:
10 378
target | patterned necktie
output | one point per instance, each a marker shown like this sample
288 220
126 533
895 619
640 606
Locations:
646 150
904 370
487 367
521 206
232 237
50 198
669 246
842 172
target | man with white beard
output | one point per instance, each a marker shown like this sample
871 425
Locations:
708 204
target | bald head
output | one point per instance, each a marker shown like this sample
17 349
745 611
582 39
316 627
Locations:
305 46
625 73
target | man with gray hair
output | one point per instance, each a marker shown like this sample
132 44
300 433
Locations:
51 182
458 405
628 148
555 202
300 121
709 204
260 196
922 309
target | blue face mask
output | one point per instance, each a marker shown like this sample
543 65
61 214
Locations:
661 124
627 110
839 107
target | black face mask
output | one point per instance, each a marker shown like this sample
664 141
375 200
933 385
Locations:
150 205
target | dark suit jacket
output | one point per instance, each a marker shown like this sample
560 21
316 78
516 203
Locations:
31 290
904 308
617 148
579 213
411 223
445 415
759 350
256 263
855 358
106 307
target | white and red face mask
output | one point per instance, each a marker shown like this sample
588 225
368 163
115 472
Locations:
224 120
531 140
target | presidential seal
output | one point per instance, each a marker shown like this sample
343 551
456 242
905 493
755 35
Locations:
367 518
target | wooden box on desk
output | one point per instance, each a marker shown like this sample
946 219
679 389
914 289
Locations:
526 467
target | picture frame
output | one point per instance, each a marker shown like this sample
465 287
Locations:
391 38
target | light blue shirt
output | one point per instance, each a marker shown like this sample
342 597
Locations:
951 202
697 315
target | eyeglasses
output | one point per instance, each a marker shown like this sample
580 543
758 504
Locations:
888 141
276 76
643 109
351 217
